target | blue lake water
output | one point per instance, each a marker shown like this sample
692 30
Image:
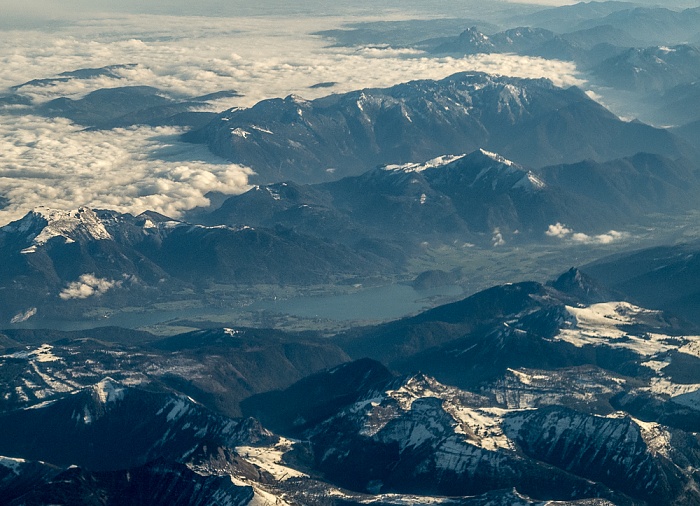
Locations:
376 303
373 303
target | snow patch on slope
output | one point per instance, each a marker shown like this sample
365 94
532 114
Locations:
12 464
23 316
261 497
108 391
269 458
41 354
657 438
483 426
602 325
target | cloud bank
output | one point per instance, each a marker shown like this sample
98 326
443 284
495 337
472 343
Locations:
563 232
261 57
55 163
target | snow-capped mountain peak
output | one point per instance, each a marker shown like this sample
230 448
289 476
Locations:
481 169
43 224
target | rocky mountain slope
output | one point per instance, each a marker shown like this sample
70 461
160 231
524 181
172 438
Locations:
415 435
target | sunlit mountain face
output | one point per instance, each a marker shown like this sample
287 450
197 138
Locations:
367 253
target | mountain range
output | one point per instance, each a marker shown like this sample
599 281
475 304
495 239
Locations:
653 25
579 391
650 70
218 367
453 197
167 434
407 434
64 257
567 18
529 121
608 415
58 262
588 47
617 46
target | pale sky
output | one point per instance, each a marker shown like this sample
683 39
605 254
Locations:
60 9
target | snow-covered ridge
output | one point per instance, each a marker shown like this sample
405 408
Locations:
604 325
43 224
439 161
480 169
497 158
530 181
444 160
12 464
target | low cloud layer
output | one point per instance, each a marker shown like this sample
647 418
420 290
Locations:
261 58
57 164
563 232
88 285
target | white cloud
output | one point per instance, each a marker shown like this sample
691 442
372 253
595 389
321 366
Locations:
497 238
558 230
563 232
607 238
88 285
